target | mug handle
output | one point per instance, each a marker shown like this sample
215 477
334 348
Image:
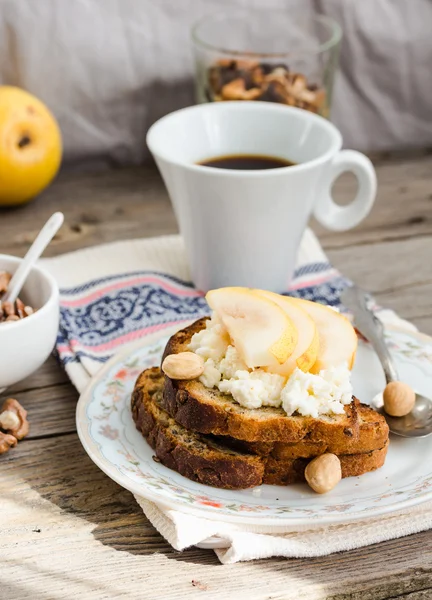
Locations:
341 218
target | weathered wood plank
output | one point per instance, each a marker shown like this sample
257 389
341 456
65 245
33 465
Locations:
403 207
373 594
386 267
402 279
50 373
79 533
98 207
411 302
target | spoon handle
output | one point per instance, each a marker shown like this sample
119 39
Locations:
367 323
44 237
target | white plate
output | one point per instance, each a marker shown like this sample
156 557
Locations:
108 434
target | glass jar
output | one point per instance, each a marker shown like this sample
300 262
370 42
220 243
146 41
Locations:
267 55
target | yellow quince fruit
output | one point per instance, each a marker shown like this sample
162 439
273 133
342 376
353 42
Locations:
30 146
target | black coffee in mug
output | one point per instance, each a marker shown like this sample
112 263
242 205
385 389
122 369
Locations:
246 162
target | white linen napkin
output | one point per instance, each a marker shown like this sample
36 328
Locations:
240 543
119 274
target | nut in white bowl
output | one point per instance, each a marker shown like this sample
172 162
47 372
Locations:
26 343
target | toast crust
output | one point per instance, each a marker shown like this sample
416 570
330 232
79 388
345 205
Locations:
209 461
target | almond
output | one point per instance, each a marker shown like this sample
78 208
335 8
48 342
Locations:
184 365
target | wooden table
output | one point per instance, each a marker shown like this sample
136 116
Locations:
68 531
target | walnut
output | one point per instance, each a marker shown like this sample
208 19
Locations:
12 318
237 63
9 420
7 442
5 277
233 79
299 84
275 91
11 311
281 75
236 90
20 306
13 419
8 309
257 76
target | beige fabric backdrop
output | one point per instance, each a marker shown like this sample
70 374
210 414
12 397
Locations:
109 68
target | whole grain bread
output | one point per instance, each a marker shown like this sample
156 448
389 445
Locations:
191 454
373 434
204 458
209 411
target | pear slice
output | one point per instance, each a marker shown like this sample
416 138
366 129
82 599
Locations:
338 339
259 329
306 351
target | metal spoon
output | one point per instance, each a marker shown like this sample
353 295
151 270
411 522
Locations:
44 237
417 423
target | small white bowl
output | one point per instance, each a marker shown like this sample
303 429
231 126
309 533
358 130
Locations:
26 344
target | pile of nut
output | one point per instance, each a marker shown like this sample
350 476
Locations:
252 80
13 424
11 311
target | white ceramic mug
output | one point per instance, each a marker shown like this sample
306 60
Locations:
244 227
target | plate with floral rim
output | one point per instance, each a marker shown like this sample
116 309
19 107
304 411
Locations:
109 436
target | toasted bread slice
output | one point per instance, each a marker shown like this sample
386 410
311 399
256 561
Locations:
206 460
373 435
191 454
209 411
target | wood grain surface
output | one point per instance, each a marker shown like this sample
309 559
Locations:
68 531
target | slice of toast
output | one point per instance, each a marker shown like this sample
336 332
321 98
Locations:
206 460
209 411
191 454
373 434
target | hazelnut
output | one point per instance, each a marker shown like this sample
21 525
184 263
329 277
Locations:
184 365
323 473
399 399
